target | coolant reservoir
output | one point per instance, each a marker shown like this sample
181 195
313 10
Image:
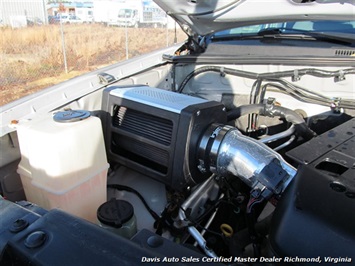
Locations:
63 162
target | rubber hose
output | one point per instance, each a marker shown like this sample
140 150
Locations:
272 110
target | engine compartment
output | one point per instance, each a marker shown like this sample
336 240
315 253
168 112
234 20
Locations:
244 181
226 162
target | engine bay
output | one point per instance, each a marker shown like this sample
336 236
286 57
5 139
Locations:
231 184
219 162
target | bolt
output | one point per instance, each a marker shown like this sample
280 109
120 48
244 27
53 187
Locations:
18 225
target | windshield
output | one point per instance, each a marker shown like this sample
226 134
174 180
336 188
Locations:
125 13
292 26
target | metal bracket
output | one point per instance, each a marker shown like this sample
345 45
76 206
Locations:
340 76
296 76
105 78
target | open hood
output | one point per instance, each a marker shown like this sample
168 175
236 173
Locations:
202 17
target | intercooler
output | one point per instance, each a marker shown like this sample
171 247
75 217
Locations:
157 132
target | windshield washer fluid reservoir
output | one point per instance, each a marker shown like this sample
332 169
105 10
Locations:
63 162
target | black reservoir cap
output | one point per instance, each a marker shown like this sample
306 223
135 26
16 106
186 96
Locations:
115 212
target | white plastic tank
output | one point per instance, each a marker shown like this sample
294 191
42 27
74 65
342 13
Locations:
63 162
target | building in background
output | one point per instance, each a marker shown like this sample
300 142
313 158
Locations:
83 10
22 13
131 13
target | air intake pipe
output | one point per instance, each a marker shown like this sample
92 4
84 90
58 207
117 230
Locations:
223 150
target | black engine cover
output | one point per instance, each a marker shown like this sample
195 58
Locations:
316 214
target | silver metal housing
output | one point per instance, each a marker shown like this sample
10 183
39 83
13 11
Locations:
226 151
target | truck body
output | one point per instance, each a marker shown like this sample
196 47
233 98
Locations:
85 14
144 14
101 10
129 14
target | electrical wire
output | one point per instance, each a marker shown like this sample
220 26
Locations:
251 224
252 202
129 189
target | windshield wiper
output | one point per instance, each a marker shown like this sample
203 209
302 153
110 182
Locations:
320 36
287 33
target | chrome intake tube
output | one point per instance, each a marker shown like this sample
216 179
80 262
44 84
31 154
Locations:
224 150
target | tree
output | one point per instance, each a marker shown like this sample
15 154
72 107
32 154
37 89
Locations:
61 8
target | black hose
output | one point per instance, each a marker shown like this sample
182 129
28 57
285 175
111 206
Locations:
129 189
244 110
294 118
273 110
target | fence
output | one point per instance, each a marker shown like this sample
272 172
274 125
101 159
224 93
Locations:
39 55
36 57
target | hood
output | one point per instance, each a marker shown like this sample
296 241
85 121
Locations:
202 17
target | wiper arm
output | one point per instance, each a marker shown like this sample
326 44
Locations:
269 31
323 36
333 36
